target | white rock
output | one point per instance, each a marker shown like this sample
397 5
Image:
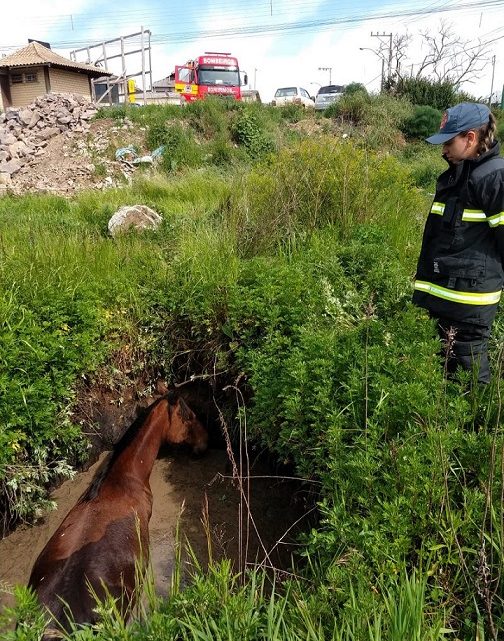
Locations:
136 216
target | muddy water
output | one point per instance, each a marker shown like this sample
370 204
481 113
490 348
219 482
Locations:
179 479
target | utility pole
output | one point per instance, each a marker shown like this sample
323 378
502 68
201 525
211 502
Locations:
329 69
491 86
389 64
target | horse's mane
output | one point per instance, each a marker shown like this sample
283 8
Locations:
129 435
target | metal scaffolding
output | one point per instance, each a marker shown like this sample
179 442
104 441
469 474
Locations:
102 53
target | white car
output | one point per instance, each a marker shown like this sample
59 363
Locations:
292 95
327 95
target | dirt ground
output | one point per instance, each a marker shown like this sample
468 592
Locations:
180 480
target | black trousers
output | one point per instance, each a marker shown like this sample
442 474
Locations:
465 345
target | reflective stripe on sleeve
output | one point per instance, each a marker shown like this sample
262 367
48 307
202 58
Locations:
496 219
471 215
474 215
467 298
437 208
468 215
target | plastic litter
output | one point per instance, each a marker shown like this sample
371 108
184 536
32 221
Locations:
142 160
126 153
129 155
158 151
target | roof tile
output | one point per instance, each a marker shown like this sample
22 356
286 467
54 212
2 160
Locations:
37 54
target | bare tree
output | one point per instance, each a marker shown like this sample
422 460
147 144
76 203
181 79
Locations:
451 59
392 59
400 44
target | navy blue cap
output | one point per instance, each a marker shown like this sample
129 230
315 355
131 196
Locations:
462 117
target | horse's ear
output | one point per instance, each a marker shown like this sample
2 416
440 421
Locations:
172 397
185 411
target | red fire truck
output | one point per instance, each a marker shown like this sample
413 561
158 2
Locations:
213 74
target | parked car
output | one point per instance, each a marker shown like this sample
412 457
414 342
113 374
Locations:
292 95
327 95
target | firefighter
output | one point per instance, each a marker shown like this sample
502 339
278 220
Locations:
460 275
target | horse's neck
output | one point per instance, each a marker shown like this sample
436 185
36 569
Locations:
138 457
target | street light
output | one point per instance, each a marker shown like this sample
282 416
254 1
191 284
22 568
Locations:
382 84
329 69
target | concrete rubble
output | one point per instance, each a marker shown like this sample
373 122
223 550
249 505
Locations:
133 216
24 132
54 145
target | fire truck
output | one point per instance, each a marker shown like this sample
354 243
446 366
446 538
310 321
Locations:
213 74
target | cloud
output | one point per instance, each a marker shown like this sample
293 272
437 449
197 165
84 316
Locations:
28 19
288 56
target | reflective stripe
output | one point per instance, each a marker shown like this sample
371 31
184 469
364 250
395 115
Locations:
468 215
471 215
468 298
497 219
474 215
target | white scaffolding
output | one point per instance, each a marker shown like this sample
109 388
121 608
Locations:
103 53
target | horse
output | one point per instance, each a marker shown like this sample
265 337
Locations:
97 549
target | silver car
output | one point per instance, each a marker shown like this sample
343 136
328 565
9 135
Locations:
327 95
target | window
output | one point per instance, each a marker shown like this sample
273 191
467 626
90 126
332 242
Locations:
331 89
20 78
283 92
185 75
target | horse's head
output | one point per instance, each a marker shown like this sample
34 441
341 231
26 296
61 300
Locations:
183 426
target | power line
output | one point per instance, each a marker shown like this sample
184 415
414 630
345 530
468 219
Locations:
306 25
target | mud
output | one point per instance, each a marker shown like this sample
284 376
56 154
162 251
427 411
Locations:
181 486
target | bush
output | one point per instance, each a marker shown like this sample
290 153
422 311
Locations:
421 91
354 87
382 122
181 149
317 183
349 108
500 130
378 118
422 123
210 116
221 152
292 112
247 131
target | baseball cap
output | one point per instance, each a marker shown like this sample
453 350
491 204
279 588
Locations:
462 117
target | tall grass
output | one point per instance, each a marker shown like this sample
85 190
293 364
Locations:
318 183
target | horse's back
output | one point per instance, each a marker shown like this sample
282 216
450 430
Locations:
87 552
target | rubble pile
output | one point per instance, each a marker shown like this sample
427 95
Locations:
25 132
54 145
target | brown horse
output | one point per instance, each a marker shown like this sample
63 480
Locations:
104 537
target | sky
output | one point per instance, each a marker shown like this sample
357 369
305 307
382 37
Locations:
277 42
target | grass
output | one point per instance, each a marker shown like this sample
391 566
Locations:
288 283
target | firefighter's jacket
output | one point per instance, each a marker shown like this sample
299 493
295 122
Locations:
460 269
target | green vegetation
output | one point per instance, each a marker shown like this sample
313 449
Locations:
422 122
377 119
353 87
220 604
287 274
500 126
421 91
